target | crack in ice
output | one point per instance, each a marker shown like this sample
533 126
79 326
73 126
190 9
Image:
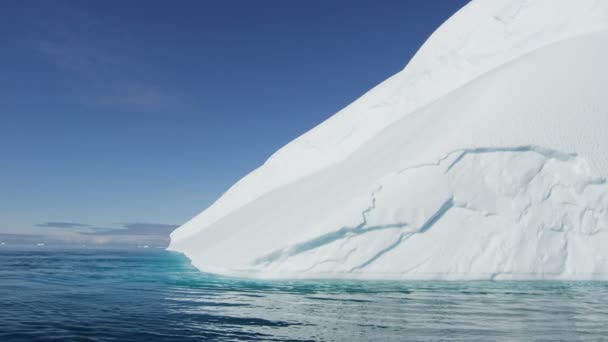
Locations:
325 239
346 233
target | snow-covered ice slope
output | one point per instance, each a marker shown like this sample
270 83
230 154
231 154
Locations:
486 157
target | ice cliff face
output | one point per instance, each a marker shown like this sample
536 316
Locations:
486 157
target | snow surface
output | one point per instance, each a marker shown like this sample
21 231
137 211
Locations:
485 158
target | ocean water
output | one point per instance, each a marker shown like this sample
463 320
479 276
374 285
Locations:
149 295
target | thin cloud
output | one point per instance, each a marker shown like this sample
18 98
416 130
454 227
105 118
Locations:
142 96
136 229
12 237
63 225
94 53
127 234
25 238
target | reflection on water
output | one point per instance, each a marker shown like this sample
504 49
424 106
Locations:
155 295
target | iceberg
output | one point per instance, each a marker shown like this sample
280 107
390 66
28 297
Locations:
486 157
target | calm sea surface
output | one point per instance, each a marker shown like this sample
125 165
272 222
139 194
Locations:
148 295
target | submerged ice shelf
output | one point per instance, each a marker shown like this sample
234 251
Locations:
485 158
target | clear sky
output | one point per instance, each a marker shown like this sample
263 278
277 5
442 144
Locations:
121 119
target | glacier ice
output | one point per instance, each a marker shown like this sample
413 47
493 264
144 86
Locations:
485 158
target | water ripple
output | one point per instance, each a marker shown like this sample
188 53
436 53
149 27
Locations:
94 295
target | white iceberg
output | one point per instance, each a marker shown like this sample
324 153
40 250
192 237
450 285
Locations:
485 158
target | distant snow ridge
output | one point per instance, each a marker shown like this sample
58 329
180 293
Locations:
485 158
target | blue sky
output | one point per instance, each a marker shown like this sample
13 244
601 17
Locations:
122 118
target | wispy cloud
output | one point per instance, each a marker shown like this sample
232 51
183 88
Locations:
98 55
34 239
63 225
155 234
137 229
146 97
21 238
